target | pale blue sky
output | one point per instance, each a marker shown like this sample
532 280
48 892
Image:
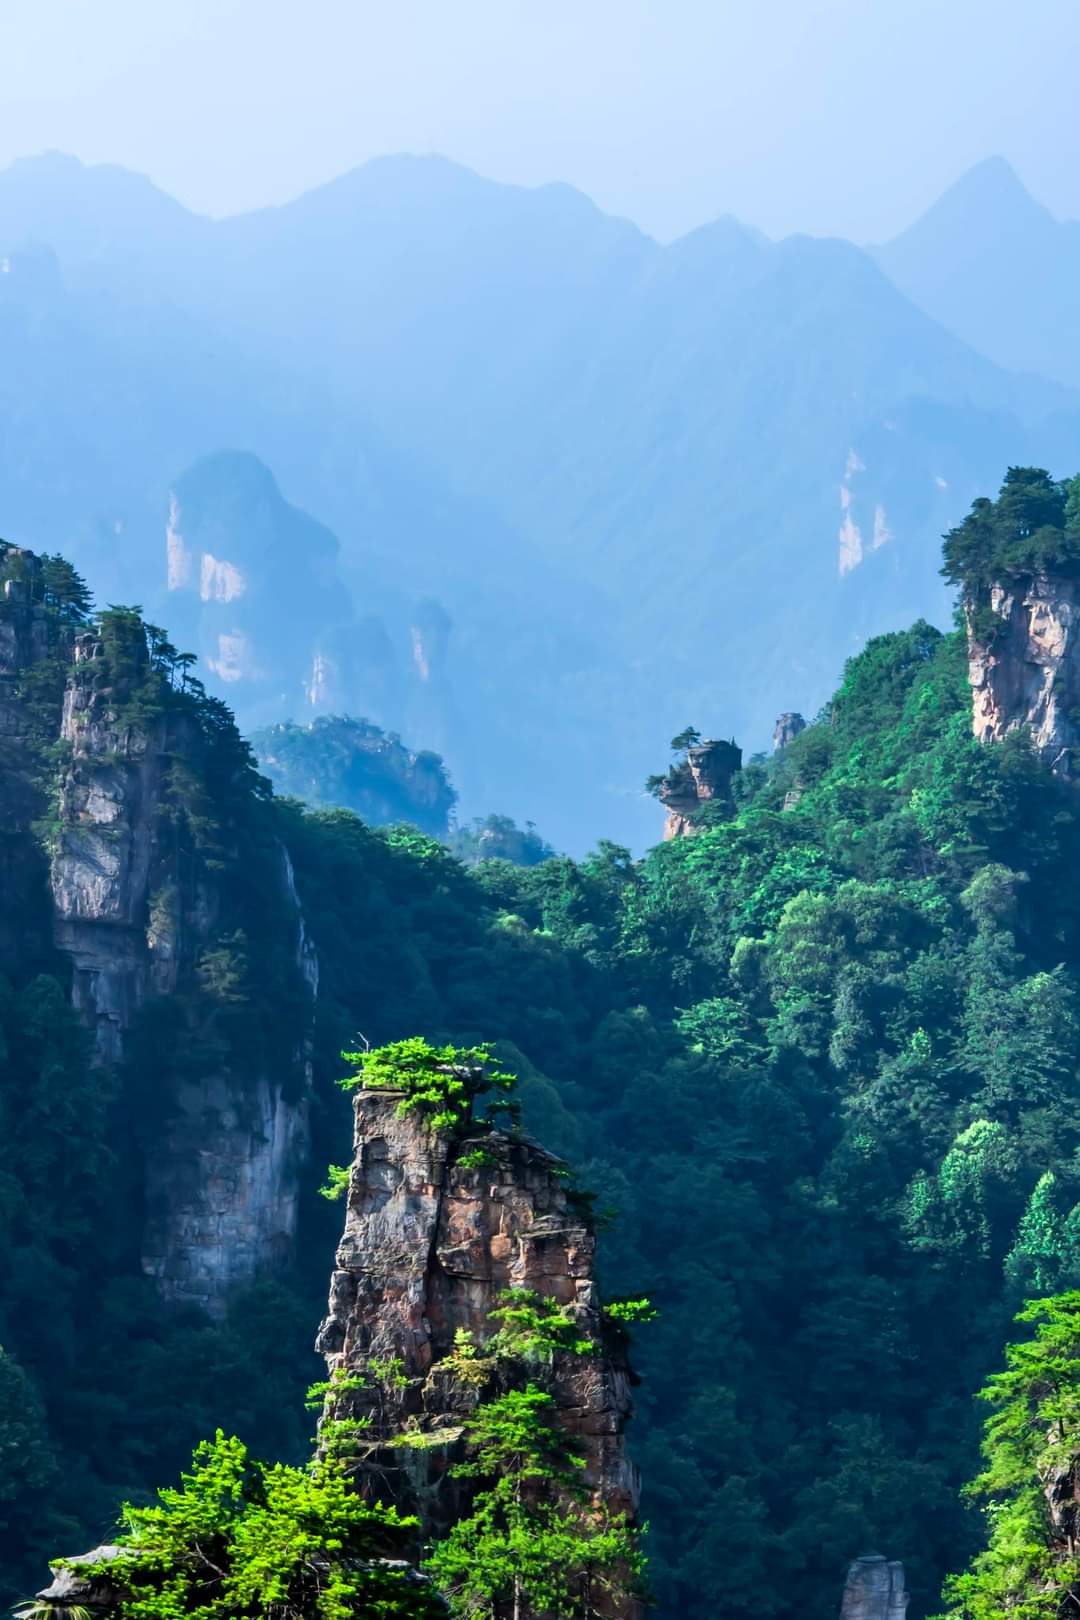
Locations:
843 116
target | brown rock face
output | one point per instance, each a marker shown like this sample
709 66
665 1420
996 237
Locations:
704 777
428 1246
875 1590
1023 666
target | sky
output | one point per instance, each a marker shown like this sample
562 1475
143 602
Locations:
841 117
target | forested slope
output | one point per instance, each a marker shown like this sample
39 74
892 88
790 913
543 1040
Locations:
819 1059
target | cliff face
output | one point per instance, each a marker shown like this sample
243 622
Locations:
428 1246
255 585
703 777
137 912
1023 665
875 1590
109 869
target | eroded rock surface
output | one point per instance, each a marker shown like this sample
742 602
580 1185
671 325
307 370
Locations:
428 1246
875 1590
1023 666
788 726
134 910
704 777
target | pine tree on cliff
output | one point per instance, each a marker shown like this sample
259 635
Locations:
1030 1569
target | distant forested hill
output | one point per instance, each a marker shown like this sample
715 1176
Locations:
639 481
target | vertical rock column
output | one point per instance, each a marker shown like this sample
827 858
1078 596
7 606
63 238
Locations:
428 1246
222 1178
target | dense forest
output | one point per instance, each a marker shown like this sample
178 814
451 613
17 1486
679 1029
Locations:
817 1062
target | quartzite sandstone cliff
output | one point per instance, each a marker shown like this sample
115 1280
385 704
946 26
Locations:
133 911
703 777
1023 665
428 1246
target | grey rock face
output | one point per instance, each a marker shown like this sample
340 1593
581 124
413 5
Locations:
221 1186
1023 666
787 728
83 1581
875 1590
106 858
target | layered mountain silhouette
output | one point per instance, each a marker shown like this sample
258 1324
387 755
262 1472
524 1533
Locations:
643 484
996 268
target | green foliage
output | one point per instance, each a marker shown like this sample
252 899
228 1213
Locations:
1030 1567
536 1327
499 838
336 1184
338 760
243 1540
329 1389
443 1083
631 1311
1032 526
531 1538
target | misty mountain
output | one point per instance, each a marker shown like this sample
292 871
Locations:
620 472
996 268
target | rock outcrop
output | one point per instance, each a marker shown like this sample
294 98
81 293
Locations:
88 1585
703 777
1024 667
430 1241
875 1590
787 728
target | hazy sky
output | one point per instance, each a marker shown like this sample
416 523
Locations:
843 116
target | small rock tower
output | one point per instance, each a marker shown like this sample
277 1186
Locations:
875 1590
703 777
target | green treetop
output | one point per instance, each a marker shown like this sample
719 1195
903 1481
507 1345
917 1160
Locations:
1034 524
533 1541
241 1540
442 1083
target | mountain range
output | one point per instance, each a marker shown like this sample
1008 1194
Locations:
604 478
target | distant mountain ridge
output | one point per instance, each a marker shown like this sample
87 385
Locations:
996 268
619 468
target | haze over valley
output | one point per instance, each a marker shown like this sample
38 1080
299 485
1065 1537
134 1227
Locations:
520 482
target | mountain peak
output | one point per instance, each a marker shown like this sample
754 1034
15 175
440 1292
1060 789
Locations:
992 183
988 200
